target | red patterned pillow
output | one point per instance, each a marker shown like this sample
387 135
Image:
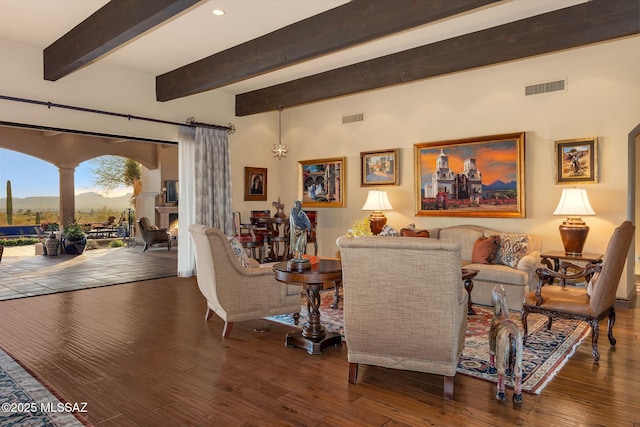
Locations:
485 250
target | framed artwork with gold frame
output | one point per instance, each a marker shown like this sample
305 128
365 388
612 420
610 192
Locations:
576 161
473 177
321 182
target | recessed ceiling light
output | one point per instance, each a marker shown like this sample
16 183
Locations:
218 12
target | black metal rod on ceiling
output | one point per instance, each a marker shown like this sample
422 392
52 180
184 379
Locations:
190 121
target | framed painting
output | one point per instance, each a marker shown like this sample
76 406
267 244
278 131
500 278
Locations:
255 184
474 177
379 168
321 183
172 191
576 161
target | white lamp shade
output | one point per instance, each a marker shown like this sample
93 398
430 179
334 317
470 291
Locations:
377 200
574 202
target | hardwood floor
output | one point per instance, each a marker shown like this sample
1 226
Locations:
142 354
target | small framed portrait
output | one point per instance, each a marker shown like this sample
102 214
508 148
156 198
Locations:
255 184
576 161
379 168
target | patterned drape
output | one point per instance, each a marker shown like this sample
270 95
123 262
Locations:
213 180
205 188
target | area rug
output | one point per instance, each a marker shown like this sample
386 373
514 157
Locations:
26 402
544 353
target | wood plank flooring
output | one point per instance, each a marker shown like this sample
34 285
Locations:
141 354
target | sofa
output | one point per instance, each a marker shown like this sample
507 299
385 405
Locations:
518 279
404 304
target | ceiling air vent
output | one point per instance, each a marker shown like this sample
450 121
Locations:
558 85
353 118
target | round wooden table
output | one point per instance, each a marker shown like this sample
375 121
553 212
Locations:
313 336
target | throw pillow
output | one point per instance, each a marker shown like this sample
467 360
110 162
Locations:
512 248
388 230
485 250
410 231
239 252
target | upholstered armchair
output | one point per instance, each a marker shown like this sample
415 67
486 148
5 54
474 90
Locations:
153 235
590 304
404 304
233 292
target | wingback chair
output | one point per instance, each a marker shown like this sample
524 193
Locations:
591 304
404 304
153 235
233 292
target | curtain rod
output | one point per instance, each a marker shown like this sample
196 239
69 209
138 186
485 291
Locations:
189 122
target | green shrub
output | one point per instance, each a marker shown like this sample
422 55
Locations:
116 244
19 242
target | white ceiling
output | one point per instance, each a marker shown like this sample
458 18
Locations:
197 33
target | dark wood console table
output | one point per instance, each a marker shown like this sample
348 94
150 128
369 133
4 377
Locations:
313 336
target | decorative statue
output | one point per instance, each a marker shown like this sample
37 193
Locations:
299 224
505 347
280 209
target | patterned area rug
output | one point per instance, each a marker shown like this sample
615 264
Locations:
26 402
544 354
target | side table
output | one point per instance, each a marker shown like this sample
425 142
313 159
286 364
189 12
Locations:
558 256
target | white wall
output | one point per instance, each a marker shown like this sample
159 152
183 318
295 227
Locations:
602 100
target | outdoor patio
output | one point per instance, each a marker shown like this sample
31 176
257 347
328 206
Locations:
24 274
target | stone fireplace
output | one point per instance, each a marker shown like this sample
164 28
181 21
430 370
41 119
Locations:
165 215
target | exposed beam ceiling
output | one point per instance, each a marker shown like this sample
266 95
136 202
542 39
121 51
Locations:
588 23
116 23
353 23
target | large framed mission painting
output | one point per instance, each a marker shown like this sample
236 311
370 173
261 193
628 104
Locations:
474 177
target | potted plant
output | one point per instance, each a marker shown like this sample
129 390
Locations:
74 239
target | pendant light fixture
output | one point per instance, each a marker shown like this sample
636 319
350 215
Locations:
279 150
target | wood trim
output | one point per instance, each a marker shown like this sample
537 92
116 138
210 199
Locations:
353 23
112 25
584 24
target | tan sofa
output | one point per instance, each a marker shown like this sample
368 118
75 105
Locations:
516 281
404 304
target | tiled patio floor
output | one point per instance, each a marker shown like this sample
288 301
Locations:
24 274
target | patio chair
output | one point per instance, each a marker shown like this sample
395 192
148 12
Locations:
590 304
153 235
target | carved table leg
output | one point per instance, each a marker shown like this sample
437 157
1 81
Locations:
313 337
336 295
468 285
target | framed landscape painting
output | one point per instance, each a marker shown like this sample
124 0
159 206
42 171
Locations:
321 183
255 184
576 161
474 177
379 167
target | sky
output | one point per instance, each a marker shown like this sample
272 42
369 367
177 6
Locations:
31 177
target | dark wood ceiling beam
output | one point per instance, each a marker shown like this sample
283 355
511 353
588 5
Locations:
352 23
114 24
592 22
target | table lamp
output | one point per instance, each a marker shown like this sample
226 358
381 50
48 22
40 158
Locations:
377 201
574 203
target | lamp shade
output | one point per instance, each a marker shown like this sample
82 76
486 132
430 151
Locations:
574 202
377 200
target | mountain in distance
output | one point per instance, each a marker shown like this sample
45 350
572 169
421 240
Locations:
84 202
500 185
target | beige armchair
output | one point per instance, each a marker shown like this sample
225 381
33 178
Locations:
233 292
153 235
404 304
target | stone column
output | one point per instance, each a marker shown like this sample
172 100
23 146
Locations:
67 211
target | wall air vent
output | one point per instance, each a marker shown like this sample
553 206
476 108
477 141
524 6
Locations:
353 118
536 89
